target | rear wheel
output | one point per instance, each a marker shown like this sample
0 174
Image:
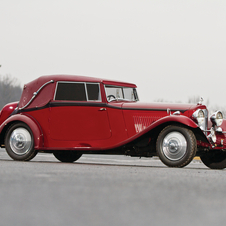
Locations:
67 156
214 160
19 142
176 146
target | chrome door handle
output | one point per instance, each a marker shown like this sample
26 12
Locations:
102 109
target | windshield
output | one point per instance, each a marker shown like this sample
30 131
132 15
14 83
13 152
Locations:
121 93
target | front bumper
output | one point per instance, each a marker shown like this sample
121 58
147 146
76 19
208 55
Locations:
216 140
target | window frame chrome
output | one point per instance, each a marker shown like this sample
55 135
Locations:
86 92
121 87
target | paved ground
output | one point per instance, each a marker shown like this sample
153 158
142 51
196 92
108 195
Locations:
109 190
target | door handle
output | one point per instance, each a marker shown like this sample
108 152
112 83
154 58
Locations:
102 109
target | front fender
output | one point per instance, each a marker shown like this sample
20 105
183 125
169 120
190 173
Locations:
179 119
182 120
174 118
32 123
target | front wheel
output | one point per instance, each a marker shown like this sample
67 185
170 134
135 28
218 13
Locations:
214 160
176 146
66 156
19 142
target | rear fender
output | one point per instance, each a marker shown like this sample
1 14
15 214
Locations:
32 123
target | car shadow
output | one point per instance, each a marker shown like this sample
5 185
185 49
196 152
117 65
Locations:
108 164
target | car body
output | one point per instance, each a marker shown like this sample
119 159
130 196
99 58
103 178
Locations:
73 115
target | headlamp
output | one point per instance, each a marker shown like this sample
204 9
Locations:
199 116
217 118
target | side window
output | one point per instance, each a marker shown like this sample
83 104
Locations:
71 91
93 91
129 94
115 91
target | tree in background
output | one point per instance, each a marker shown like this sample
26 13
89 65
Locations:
10 90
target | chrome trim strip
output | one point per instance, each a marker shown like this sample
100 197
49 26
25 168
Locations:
94 104
86 91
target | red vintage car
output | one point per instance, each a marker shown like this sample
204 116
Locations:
74 115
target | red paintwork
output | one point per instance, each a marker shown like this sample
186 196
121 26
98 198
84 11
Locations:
6 111
81 125
160 106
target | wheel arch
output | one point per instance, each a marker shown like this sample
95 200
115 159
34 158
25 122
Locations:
197 131
153 133
32 123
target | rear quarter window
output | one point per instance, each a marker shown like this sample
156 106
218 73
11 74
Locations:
93 91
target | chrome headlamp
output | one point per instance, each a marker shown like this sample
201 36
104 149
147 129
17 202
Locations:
199 116
217 118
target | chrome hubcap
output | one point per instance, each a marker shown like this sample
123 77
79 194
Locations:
20 141
174 146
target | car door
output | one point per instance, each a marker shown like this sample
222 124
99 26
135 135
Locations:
77 113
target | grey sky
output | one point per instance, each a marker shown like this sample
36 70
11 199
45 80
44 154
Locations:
172 49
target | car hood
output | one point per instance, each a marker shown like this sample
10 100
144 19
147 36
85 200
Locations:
158 106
